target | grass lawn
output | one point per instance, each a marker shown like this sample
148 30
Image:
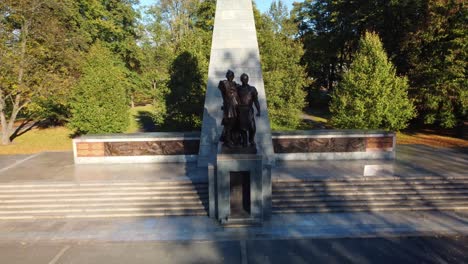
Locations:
139 116
38 140
431 139
59 139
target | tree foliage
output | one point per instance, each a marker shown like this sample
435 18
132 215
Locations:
180 37
426 40
285 78
371 96
38 59
99 102
439 63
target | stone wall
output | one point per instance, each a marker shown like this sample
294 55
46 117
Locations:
334 144
137 148
183 147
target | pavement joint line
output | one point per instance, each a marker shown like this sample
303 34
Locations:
19 162
60 254
243 249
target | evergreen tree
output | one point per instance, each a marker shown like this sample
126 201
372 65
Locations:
371 96
439 63
99 100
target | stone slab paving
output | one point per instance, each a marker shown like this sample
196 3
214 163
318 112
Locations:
59 167
9 161
411 160
205 229
422 249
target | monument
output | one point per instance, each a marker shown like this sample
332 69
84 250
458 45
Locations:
239 176
235 166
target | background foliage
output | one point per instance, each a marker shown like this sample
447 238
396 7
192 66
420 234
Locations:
161 53
370 95
99 102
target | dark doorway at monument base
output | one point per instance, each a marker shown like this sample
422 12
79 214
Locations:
240 194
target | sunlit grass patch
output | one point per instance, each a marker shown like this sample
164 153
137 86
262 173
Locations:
38 140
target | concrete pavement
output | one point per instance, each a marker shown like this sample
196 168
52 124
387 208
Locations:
422 249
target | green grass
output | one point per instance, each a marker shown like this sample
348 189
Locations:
134 126
38 140
59 138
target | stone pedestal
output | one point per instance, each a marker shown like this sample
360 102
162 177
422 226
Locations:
238 186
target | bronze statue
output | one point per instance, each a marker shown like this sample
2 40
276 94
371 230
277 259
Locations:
248 96
228 90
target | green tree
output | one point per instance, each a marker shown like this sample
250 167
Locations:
99 100
330 31
38 59
371 96
285 78
179 44
438 64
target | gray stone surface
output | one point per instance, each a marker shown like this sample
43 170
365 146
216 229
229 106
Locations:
236 163
360 250
335 156
290 226
59 167
411 160
137 159
7 160
125 253
234 47
332 133
411 249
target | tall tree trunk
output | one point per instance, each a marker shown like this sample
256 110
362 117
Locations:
8 126
5 134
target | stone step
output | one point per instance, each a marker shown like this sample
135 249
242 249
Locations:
103 189
280 195
369 203
90 204
381 179
110 214
369 188
103 193
446 207
298 199
101 209
109 184
367 182
203 196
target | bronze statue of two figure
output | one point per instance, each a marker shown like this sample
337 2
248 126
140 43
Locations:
238 112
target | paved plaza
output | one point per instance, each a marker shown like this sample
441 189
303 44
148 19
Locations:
294 251
411 160
359 237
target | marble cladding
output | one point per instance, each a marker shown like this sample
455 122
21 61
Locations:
191 146
150 148
137 148
339 144
90 149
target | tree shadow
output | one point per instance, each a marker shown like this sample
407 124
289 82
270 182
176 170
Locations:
146 122
25 126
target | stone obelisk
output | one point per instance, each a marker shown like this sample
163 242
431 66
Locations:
234 47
